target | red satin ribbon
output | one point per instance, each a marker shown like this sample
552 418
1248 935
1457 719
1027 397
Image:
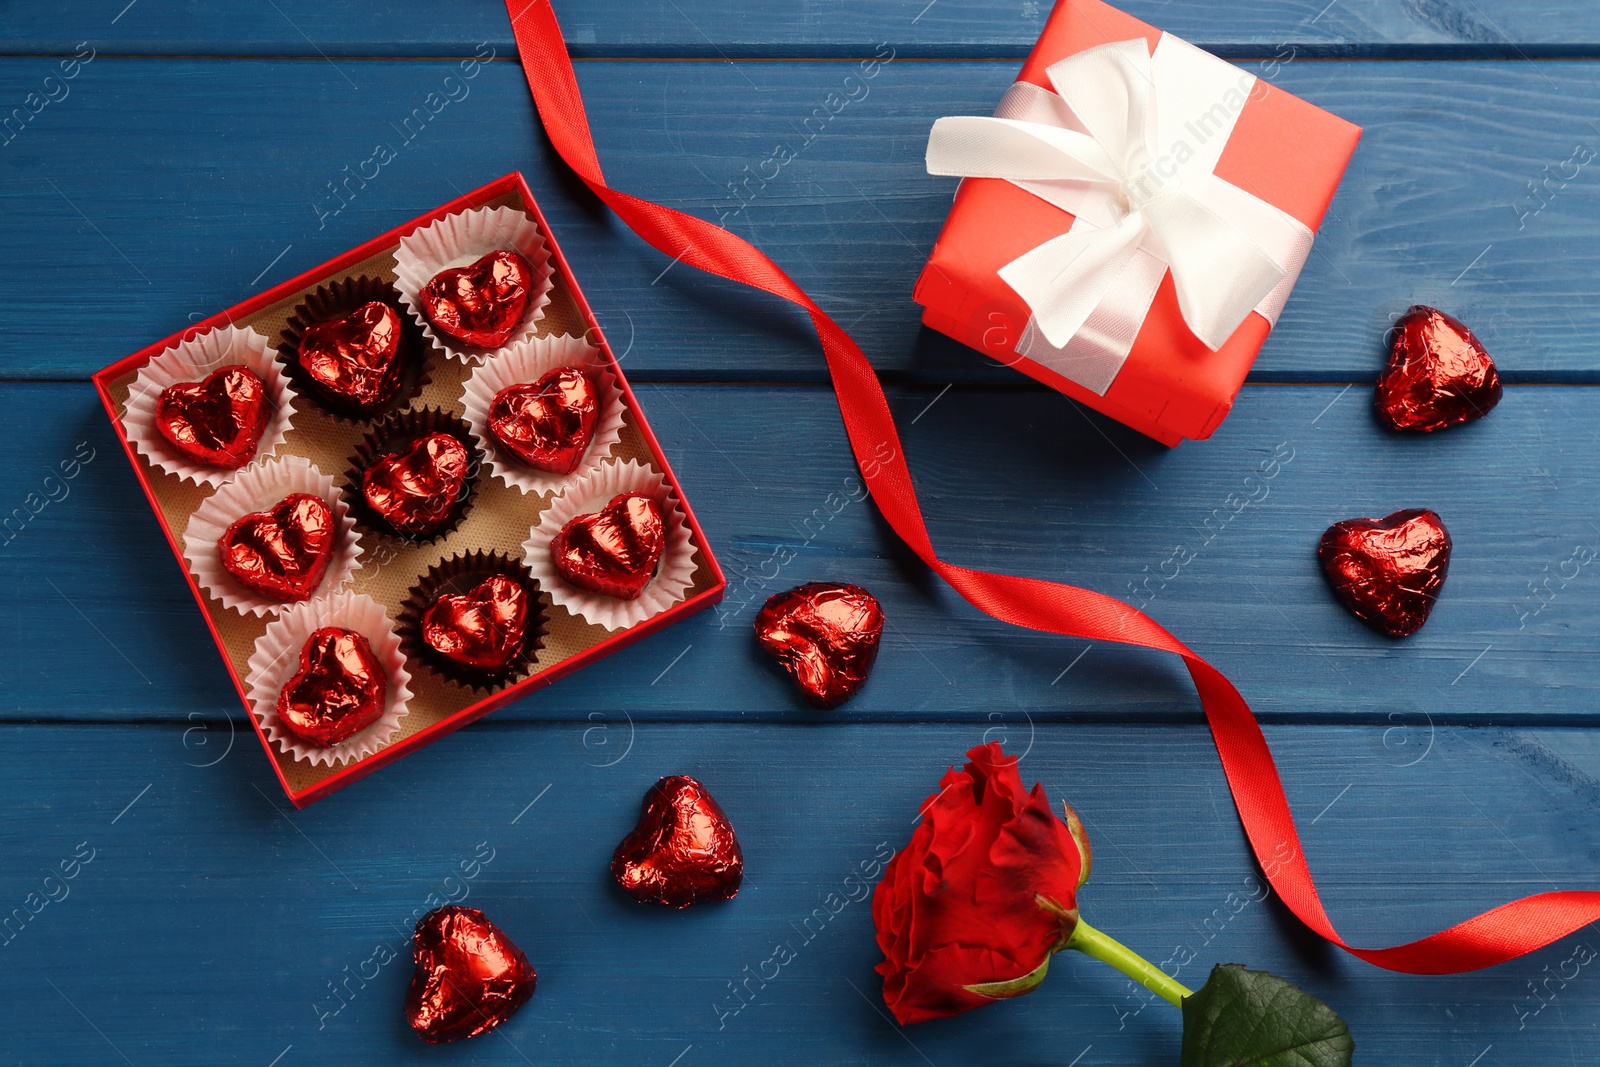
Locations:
1493 937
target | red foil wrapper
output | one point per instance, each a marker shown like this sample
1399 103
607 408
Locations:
356 361
481 305
547 424
282 552
1438 375
218 421
1388 571
826 635
338 691
418 489
683 850
469 978
464 605
484 629
613 551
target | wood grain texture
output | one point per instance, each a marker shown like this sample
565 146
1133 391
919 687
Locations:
1432 777
210 922
104 629
817 28
159 192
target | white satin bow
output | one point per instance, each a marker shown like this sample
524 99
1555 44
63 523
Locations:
1128 145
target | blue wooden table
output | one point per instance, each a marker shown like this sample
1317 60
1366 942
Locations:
188 160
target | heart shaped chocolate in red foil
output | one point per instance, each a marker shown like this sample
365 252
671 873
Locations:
218 421
417 490
1438 374
282 552
338 691
826 635
484 629
469 978
356 361
613 551
1388 571
683 849
547 424
481 305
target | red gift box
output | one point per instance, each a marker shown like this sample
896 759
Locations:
437 706
1171 386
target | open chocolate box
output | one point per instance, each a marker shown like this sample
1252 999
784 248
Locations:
379 580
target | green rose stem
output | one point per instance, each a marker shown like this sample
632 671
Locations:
1092 942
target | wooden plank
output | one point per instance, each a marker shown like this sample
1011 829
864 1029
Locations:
210 922
101 628
160 192
714 28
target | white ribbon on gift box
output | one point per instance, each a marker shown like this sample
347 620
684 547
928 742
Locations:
1127 144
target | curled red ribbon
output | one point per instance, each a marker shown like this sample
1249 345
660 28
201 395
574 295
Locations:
1495 936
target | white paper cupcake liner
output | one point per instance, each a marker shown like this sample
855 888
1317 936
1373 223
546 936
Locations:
590 493
191 361
257 488
458 240
528 361
277 657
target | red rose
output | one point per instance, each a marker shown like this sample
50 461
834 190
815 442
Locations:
982 896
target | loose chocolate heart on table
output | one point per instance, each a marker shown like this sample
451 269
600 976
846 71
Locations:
282 552
481 305
469 978
1438 374
218 421
417 490
683 849
484 629
547 424
338 691
1388 571
613 551
357 361
825 634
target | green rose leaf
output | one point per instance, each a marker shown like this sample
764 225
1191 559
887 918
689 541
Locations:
1243 1018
